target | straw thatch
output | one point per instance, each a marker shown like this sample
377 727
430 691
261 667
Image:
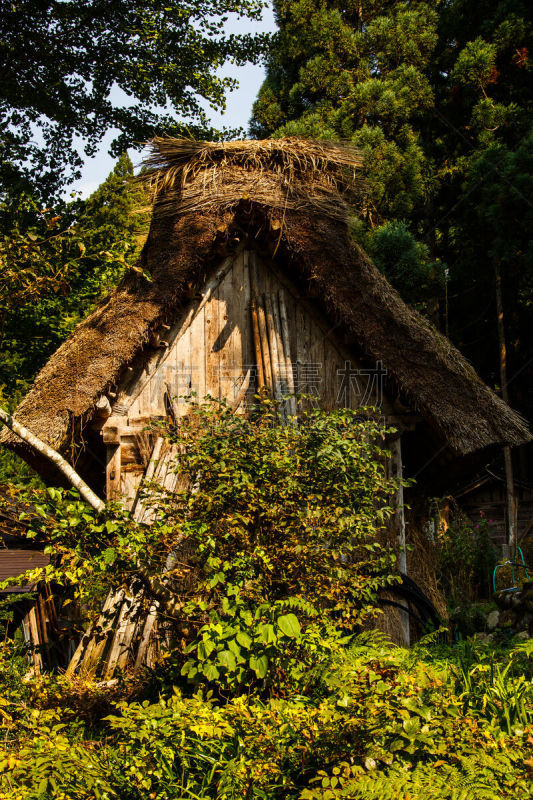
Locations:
186 176
286 197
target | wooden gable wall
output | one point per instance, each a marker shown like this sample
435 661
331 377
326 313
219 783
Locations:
210 351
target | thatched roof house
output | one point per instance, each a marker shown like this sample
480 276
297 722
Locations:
283 201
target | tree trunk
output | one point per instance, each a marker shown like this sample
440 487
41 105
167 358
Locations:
509 480
397 470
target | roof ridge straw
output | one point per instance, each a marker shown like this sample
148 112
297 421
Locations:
289 173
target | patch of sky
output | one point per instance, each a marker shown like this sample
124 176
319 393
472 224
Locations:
236 115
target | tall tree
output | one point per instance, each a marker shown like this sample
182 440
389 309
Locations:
56 265
75 69
356 71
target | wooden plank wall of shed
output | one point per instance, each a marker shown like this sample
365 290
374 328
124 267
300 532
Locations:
214 353
491 501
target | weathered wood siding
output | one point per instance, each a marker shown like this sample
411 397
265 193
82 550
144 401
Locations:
213 355
209 351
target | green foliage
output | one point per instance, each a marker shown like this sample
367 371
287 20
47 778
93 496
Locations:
285 523
476 64
494 231
383 723
466 559
282 526
404 261
492 690
267 693
344 71
438 98
71 68
57 264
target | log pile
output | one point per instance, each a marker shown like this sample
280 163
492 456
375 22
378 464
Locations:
126 633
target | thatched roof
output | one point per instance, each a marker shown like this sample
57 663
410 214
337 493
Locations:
287 196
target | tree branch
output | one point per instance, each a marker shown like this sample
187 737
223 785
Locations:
53 456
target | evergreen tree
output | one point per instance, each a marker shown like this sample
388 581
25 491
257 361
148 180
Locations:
82 249
438 96
356 71
480 138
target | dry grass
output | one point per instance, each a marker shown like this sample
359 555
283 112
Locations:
185 176
422 568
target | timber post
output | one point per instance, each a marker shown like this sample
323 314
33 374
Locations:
397 471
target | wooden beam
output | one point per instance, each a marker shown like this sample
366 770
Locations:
93 641
249 262
36 643
397 471
54 457
242 391
113 464
103 407
286 343
273 345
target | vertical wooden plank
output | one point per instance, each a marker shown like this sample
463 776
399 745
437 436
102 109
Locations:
198 360
117 642
291 303
303 356
181 378
129 485
36 643
138 506
397 471
243 353
141 400
113 464
212 355
42 618
265 349
247 346
331 377
286 343
262 377
50 606
169 377
238 312
155 394
282 376
257 268
178 364
273 345
226 340
26 631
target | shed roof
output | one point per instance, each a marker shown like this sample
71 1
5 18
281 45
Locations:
288 197
15 562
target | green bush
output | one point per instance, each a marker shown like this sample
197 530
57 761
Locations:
384 723
268 692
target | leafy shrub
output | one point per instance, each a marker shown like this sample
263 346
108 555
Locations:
466 558
274 535
282 527
386 723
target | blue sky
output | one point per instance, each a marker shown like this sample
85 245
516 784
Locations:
238 111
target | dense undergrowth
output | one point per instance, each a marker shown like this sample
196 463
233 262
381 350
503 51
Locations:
377 722
271 689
